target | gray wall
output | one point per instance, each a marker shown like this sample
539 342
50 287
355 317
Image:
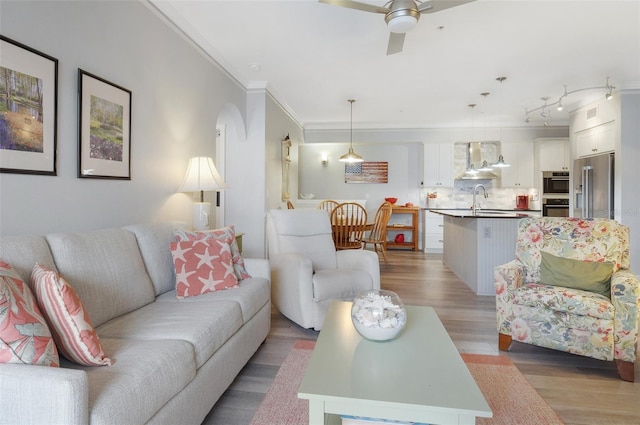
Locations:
178 95
404 166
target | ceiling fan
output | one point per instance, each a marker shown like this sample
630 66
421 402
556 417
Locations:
400 15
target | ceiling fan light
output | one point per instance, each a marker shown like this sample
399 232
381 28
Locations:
402 24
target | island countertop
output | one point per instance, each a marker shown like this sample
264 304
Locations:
488 213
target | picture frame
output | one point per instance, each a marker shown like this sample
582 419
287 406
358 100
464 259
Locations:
28 109
366 172
104 146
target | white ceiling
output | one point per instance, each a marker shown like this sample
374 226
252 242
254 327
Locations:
312 57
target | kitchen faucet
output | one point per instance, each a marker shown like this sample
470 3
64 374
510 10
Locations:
475 207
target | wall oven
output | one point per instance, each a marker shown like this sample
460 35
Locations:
552 207
555 182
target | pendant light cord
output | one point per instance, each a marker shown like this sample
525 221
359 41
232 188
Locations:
351 125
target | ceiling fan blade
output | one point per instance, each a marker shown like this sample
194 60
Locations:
432 6
396 41
357 5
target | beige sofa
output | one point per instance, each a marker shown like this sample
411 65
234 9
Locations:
173 358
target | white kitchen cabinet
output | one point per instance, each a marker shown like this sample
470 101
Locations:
433 232
552 154
596 140
438 164
520 156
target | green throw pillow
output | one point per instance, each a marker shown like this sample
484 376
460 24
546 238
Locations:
586 275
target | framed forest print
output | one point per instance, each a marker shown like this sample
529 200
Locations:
28 109
105 129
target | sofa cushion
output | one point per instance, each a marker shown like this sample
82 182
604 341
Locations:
106 270
586 275
202 266
339 284
23 251
227 233
251 295
144 377
72 330
24 335
153 241
205 325
582 335
564 300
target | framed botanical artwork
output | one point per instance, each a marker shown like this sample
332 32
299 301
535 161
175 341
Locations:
28 109
105 129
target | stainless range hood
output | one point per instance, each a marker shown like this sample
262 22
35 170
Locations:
474 159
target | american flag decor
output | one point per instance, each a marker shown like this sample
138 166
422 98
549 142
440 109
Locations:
366 172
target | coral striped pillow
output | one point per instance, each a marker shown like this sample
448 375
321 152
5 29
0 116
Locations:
24 335
72 330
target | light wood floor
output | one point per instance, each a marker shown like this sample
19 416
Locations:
581 390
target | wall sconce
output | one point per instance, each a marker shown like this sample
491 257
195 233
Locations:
324 159
202 175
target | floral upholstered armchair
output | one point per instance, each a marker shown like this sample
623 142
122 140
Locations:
533 308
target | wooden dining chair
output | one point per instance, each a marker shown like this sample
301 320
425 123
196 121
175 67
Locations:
348 224
378 235
290 205
328 205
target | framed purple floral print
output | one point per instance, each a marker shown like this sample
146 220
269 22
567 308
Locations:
105 129
28 109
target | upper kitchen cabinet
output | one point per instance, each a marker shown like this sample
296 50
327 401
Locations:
520 156
438 164
596 140
552 154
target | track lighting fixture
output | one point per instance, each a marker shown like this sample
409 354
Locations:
544 108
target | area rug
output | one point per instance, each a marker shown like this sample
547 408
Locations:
511 397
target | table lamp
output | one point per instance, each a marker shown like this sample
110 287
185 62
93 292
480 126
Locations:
202 175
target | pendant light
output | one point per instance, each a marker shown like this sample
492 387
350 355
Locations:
485 167
471 170
501 162
351 156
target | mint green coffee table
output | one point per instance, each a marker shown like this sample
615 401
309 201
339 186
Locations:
418 377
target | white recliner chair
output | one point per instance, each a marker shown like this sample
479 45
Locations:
307 273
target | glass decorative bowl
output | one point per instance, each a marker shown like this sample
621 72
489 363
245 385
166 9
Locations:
378 315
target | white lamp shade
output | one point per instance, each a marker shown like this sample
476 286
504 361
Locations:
202 175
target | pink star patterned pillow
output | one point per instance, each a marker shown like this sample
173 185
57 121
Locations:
224 233
202 266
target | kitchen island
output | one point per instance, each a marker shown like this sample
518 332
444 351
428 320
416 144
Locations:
476 243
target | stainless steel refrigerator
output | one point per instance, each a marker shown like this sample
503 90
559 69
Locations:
593 186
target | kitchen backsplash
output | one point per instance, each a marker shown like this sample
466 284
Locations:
462 197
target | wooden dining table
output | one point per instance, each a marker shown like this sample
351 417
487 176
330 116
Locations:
342 229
